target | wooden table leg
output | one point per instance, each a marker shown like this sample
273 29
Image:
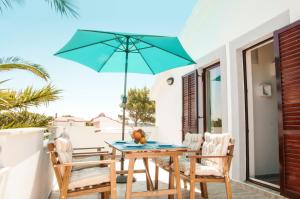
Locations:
171 178
156 174
113 152
129 178
148 177
177 176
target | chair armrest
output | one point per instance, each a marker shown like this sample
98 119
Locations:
203 156
193 151
86 163
86 148
91 154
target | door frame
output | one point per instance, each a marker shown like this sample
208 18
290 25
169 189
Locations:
214 65
258 182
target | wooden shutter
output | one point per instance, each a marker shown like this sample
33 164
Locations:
287 52
190 103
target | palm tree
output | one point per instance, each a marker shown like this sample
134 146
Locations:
64 7
10 99
14 104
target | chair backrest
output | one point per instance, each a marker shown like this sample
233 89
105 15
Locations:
230 152
193 141
60 150
63 147
54 161
215 145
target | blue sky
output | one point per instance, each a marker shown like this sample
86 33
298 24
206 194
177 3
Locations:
34 32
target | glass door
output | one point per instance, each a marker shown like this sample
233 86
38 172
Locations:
213 103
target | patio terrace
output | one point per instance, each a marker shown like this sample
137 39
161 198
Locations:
30 173
215 190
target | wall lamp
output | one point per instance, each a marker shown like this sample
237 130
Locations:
170 81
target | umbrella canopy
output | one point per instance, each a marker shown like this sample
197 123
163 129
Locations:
107 52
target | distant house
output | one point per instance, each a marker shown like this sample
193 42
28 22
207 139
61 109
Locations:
106 124
69 121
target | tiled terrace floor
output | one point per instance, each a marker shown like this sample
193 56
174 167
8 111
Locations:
215 190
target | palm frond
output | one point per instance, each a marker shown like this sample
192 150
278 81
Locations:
12 63
23 119
7 4
10 99
4 4
3 81
64 7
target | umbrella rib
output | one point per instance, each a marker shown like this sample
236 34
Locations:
166 51
101 67
84 46
146 47
112 46
119 39
144 59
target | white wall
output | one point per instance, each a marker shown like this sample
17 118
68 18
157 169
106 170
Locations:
87 137
168 102
28 171
219 30
69 123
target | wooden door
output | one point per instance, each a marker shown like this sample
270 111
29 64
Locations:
287 52
189 103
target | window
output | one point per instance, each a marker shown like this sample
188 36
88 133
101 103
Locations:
213 99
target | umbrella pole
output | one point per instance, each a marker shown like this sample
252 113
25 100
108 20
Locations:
122 178
124 101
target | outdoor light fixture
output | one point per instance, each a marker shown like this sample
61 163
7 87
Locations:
170 80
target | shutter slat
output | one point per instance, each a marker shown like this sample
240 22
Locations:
189 90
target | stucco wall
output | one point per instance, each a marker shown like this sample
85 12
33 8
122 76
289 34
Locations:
87 137
218 31
27 172
69 123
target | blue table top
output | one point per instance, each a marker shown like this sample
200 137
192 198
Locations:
150 146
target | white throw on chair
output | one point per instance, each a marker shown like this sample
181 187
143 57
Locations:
192 141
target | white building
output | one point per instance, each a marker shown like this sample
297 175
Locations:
105 124
237 86
69 121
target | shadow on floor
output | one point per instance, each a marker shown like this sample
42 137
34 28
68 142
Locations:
215 190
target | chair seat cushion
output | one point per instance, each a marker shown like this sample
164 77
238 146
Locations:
201 170
88 177
163 161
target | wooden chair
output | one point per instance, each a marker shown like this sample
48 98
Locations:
87 178
211 168
81 154
192 141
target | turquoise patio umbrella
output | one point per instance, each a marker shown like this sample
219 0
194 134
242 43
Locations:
125 53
